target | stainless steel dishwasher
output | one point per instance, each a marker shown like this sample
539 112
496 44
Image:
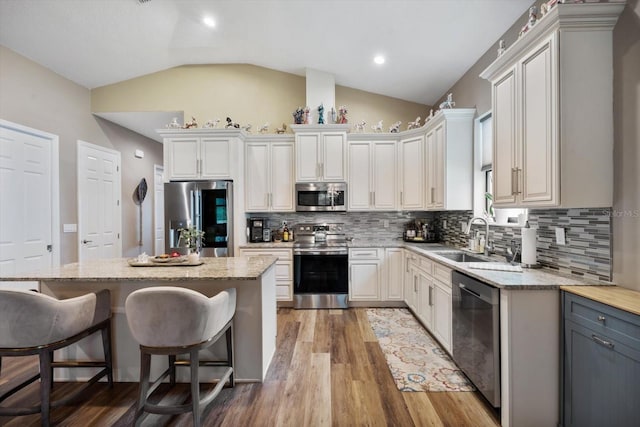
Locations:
476 334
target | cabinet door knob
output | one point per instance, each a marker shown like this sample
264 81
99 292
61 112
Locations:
601 318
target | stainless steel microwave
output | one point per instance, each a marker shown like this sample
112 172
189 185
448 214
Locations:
321 196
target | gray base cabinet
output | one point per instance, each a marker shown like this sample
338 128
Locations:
601 378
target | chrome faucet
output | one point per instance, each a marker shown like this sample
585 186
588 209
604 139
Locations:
488 245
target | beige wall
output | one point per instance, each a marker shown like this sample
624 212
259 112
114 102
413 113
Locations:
33 96
471 90
246 93
372 108
626 132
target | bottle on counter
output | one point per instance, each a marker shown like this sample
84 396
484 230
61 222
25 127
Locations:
285 233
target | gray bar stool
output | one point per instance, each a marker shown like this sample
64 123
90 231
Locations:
32 323
171 321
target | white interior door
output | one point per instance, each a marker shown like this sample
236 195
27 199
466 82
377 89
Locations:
99 211
29 214
158 209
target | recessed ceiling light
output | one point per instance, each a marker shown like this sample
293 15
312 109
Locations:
209 22
379 59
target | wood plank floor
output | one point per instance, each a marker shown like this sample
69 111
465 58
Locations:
328 370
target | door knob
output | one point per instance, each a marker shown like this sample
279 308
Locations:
84 242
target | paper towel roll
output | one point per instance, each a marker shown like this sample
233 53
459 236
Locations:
529 246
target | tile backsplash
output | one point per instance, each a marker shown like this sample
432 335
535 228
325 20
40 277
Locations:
359 225
588 250
587 253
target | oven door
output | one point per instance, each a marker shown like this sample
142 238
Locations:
315 273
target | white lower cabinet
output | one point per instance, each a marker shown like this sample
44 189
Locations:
284 269
442 319
410 280
392 289
376 274
427 292
365 267
425 297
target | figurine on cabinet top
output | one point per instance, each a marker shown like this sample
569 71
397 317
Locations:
501 47
264 128
321 114
306 116
415 124
174 124
548 5
332 113
377 127
211 124
191 124
342 115
360 126
283 129
533 17
247 128
395 128
448 103
298 118
429 117
231 124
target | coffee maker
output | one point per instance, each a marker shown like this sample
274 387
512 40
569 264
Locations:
256 227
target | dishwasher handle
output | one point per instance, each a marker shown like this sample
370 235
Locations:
475 294
462 286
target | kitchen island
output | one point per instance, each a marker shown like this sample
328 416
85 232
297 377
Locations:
254 324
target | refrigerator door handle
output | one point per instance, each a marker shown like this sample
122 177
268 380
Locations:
197 212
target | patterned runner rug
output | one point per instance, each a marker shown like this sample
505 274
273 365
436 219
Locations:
416 361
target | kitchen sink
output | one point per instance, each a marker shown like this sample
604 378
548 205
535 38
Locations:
458 256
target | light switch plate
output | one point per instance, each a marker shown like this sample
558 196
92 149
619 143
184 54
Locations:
69 228
444 223
463 226
560 236
385 223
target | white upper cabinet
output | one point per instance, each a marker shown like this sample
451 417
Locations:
199 154
182 158
449 160
321 153
412 171
552 101
372 181
505 148
215 157
269 178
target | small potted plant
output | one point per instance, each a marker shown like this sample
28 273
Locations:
192 238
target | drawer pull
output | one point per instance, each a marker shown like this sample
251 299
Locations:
601 318
602 342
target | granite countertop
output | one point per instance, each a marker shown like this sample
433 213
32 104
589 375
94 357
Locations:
233 268
529 279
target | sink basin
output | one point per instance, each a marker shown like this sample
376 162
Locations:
460 256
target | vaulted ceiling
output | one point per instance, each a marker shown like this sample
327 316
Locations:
428 44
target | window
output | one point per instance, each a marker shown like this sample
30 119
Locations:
488 191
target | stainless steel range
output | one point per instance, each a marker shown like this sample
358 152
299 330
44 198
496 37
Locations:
320 266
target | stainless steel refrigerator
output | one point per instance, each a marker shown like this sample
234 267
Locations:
206 205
